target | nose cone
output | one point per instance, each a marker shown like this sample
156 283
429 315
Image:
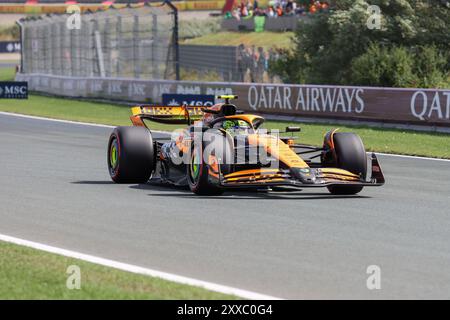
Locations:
305 175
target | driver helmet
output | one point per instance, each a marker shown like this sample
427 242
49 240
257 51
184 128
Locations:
234 125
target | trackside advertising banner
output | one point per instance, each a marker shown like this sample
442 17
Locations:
418 106
13 90
9 46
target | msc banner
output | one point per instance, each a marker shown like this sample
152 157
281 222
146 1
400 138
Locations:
9 46
13 90
189 99
415 106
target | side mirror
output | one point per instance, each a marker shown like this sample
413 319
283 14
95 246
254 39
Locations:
293 129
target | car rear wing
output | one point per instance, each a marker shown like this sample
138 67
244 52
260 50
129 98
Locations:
166 114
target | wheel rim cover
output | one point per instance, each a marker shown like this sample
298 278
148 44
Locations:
113 158
195 165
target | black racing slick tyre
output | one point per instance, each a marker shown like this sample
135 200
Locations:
349 155
197 173
131 155
218 146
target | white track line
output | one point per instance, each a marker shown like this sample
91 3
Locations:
55 120
411 157
107 126
139 270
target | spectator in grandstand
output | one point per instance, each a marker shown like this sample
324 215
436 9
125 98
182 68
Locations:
318 6
243 10
241 62
249 5
259 12
300 9
270 12
325 6
260 64
255 5
289 9
236 14
279 10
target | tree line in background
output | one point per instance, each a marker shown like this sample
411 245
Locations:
410 49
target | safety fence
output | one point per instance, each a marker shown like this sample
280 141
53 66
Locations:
418 106
130 42
219 62
227 63
134 42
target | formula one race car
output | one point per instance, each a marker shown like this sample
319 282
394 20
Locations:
222 147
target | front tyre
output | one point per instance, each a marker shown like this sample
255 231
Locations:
197 173
131 155
349 155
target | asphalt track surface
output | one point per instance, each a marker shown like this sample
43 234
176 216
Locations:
55 189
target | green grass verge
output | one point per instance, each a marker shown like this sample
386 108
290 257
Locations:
264 39
382 140
407 142
33 274
7 74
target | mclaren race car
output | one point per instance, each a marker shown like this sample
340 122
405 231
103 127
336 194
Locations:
222 147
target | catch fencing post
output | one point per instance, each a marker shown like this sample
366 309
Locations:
154 72
175 39
107 43
22 49
118 44
136 46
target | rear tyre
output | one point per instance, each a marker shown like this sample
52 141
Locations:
349 155
131 155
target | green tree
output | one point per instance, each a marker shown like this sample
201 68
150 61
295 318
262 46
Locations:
387 67
327 44
431 67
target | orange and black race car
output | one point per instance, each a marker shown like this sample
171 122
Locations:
223 147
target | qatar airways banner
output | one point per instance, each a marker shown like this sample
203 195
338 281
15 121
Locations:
418 106
429 106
